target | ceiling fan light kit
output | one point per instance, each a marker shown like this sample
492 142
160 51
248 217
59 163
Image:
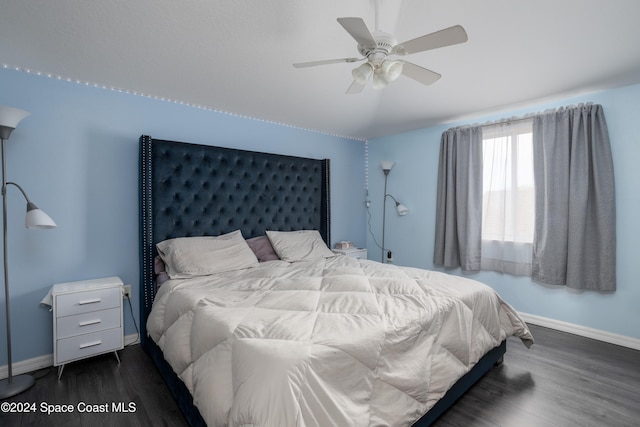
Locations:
391 70
379 80
376 47
362 73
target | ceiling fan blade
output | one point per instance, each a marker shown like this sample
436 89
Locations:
354 88
359 31
326 61
447 37
419 74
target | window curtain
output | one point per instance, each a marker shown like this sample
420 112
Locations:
575 226
459 199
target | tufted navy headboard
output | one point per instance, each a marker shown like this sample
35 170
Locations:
196 190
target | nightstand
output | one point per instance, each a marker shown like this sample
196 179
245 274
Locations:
360 253
87 320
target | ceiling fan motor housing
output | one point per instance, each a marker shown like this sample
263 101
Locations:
384 44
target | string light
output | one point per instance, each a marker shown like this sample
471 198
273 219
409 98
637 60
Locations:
366 166
174 101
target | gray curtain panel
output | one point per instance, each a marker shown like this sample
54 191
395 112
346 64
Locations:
575 227
459 199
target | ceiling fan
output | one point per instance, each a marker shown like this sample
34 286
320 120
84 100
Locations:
376 47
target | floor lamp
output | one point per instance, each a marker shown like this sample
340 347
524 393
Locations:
402 209
35 218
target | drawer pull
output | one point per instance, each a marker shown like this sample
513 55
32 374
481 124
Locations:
91 344
90 322
89 301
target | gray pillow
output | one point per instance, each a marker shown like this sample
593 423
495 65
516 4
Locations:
301 245
205 255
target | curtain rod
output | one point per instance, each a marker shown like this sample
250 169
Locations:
509 120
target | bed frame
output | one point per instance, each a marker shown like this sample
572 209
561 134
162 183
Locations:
196 190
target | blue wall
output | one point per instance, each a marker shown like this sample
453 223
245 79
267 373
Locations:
413 181
76 155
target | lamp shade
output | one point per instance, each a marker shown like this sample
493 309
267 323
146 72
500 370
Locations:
402 209
36 218
379 80
362 73
392 69
387 165
9 119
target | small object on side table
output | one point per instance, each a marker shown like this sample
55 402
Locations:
344 244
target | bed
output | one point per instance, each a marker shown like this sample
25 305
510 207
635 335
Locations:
306 337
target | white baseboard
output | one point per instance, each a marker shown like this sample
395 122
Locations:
583 331
40 362
29 365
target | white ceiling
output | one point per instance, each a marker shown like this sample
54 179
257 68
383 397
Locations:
236 56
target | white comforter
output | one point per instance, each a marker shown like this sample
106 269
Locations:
337 342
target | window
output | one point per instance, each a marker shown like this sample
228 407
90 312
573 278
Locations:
562 235
508 197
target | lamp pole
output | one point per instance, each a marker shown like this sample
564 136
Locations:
11 385
35 218
402 209
384 210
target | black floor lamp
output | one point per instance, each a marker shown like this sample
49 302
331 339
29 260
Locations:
35 218
402 209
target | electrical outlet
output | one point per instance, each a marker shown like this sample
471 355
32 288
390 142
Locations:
127 291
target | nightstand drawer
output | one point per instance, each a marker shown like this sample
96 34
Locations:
82 346
86 323
84 302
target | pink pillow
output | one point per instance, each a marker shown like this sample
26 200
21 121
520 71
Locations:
261 246
158 265
159 270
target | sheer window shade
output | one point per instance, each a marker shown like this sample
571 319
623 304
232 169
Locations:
508 198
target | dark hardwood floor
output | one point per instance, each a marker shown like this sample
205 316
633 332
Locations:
99 381
563 380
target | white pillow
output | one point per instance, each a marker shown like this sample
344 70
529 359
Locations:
299 245
201 256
